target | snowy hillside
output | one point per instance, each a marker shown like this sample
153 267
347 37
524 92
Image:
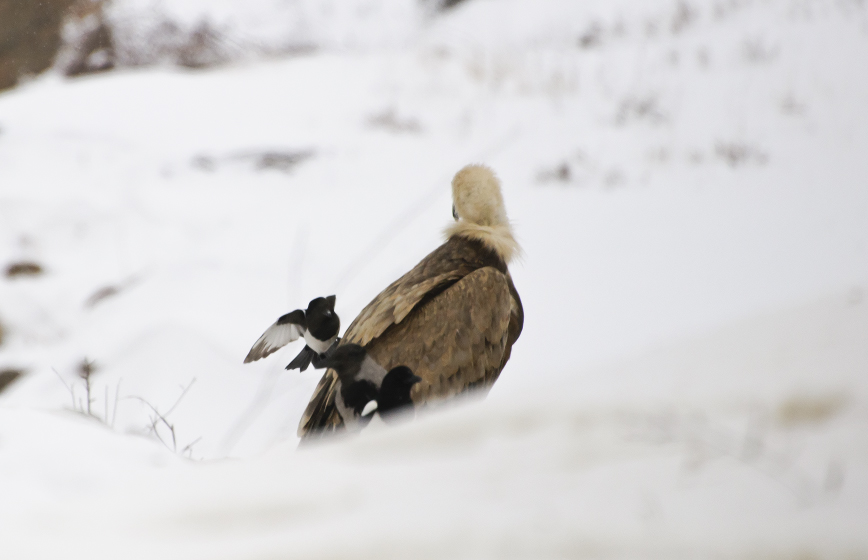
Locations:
688 181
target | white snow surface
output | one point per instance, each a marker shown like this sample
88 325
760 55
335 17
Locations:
688 181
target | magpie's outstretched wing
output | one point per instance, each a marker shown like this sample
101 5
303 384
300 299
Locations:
288 328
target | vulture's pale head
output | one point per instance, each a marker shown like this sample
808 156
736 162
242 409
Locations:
479 212
476 196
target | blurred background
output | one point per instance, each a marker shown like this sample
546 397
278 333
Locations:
688 180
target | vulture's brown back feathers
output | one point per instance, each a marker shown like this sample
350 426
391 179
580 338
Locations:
453 346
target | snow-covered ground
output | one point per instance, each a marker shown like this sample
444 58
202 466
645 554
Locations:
688 180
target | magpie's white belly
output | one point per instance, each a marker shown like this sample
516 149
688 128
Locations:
318 346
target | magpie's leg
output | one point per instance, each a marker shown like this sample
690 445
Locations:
319 358
303 359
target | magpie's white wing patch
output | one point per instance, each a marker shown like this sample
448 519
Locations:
274 338
369 408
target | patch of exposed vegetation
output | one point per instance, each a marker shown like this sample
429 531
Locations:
685 15
443 5
29 37
737 153
100 295
9 375
277 160
559 174
810 409
641 108
88 40
759 51
389 120
592 37
790 105
23 268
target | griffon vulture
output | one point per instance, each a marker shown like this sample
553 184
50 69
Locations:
452 319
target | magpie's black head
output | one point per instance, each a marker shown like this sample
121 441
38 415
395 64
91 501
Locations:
322 321
346 360
395 389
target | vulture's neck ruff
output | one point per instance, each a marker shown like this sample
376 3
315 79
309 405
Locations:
477 204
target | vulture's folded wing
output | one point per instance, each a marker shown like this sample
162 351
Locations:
288 328
321 415
393 305
444 266
456 341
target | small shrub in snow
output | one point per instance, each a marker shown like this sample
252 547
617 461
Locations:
810 409
736 154
279 160
85 369
391 121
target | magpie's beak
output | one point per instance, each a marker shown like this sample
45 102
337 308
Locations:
454 213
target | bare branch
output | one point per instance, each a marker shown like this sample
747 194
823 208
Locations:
181 396
68 387
161 418
115 410
188 449
85 370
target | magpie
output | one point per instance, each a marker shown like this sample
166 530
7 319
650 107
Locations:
366 387
394 394
319 325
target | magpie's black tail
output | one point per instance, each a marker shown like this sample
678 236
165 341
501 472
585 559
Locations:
303 359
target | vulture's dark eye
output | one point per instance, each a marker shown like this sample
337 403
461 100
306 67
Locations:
454 213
